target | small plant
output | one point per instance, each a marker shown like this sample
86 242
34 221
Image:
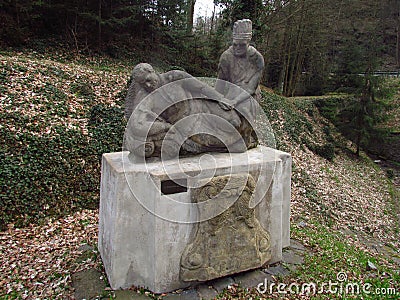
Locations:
390 173
326 151
82 89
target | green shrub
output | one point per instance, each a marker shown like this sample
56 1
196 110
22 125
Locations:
295 126
42 175
330 107
326 151
106 128
82 89
390 173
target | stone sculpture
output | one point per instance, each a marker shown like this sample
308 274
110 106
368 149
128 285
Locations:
231 241
166 225
176 112
157 102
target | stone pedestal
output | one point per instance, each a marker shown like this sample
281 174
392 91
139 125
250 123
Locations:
164 225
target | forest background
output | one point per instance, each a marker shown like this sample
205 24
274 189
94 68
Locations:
311 47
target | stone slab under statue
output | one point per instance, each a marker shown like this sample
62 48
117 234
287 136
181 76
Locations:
151 234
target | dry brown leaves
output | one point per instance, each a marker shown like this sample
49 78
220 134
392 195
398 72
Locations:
30 77
354 193
37 261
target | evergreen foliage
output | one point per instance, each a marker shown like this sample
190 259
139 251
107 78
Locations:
52 175
358 116
310 46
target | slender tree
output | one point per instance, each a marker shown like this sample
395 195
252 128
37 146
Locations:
360 117
190 15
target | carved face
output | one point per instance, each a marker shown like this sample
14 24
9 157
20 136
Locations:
145 75
240 47
150 81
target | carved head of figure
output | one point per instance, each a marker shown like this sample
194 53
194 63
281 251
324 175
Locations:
242 30
145 75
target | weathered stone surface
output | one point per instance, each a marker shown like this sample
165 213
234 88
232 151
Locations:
177 114
252 278
88 284
294 244
143 231
217 120
231 242
206 292
191 294
286 194
278 270
242 66
129 295
292 257
222 283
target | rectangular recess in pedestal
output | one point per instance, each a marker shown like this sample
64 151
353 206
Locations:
173 186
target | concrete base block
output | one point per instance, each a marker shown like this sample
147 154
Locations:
148 216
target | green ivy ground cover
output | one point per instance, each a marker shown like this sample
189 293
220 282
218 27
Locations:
48 166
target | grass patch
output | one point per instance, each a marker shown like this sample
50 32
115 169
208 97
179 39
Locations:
332 256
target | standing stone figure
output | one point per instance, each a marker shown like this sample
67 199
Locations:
242 65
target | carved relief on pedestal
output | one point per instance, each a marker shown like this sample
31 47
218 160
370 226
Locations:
231 242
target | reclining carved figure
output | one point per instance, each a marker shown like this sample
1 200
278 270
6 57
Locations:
178 113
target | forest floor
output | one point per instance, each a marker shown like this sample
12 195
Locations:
344 210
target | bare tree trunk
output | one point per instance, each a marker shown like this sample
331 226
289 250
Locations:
190 15
284 54
17 13
74 32
398 42
358 141
99 26
212 20
297 61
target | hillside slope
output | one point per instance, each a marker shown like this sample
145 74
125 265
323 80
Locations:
58 116
56 121
329 182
